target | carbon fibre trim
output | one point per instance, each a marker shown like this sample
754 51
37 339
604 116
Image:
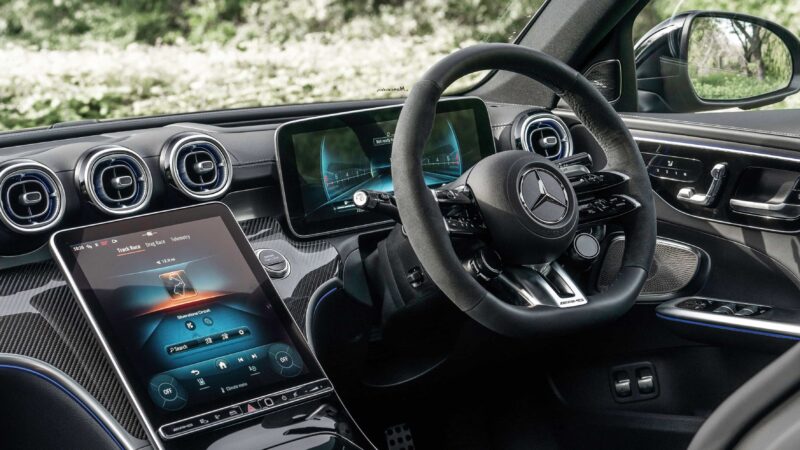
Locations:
313 263
40 318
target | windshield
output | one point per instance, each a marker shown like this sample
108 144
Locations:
70 60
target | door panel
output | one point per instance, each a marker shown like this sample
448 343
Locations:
750 259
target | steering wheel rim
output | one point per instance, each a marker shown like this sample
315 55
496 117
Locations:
424 222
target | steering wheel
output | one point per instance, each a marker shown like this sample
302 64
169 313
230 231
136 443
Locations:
528 209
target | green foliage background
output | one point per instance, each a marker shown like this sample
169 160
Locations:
98 59
94 59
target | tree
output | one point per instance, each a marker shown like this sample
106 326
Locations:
751 36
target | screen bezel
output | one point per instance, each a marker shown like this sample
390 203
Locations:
285 154
60 245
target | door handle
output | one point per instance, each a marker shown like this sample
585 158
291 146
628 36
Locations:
772 210
689 195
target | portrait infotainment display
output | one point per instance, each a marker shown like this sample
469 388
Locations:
185 310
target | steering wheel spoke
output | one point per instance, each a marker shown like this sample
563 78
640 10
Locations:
542 285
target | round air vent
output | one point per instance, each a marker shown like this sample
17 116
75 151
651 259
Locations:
544 134
198 165
31 197
115 179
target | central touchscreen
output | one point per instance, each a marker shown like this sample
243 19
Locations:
184 311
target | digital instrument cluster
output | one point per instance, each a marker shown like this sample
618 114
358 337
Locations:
324 160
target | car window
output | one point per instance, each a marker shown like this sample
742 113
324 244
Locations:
98 59
746 62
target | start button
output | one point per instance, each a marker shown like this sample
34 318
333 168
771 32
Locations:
276 265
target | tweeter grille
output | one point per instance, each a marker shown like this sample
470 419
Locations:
606 76
674 266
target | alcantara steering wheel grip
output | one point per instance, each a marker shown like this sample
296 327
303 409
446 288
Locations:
503 187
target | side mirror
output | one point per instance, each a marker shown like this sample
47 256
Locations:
701 61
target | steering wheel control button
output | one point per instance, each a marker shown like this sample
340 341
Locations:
276 265
543 196
167 392
606 208
485 265
415 277
585 247
284 360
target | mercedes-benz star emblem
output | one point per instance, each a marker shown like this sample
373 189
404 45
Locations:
543 196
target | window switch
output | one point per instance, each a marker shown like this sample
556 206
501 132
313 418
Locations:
633 382
645 381
747 310
622 385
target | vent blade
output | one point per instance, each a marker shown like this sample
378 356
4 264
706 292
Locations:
116 180
544 134
198 165
31 196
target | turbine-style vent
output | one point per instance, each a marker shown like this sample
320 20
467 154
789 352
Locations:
116 180
31 195
198 165
546 135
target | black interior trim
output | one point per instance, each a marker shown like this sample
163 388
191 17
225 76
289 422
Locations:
26 366
757 397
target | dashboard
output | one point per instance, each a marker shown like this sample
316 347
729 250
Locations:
61 178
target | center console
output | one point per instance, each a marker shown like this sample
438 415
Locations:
205 348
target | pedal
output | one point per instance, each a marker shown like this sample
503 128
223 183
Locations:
398 437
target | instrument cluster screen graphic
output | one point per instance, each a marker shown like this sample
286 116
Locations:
189 313
334 163
324 160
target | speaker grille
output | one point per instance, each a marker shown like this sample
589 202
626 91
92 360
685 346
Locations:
674 267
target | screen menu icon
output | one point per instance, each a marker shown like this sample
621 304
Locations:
177 284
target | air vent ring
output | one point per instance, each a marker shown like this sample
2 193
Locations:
116 180
31 197
544 134
197 165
